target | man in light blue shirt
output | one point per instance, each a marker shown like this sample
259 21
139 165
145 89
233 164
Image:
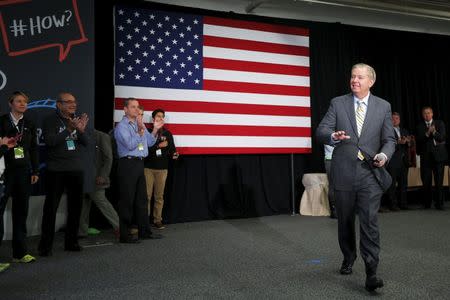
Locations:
133 140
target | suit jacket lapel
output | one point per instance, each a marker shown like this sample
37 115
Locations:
350 108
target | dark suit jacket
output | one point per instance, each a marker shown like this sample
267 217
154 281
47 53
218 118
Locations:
377 136
426 146
400 158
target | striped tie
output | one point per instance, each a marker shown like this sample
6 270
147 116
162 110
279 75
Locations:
360 122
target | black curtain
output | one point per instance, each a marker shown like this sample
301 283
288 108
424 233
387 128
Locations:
412 71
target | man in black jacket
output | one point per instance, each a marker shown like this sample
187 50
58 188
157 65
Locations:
22 170
398 166
433 154
66 141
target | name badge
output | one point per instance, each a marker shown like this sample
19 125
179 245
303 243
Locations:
158 152
70 145
18 153
141 147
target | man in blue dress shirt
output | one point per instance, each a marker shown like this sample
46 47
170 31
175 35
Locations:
133 141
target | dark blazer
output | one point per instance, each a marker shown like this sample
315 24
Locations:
28 142
377 136
400 158
425 145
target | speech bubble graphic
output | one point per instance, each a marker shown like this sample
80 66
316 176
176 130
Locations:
28 26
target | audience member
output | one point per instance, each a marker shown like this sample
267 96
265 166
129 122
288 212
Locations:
133 140
66 140
102 165
433 155
21 171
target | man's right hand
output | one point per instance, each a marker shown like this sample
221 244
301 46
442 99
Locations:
11 142
339 136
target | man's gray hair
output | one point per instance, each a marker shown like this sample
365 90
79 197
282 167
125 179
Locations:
370 70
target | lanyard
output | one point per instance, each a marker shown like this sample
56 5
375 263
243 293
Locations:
19 130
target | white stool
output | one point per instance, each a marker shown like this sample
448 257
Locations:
314 200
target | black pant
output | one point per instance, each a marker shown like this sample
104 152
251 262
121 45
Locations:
57 182
399 176
18 186
364 200
132 204
430 168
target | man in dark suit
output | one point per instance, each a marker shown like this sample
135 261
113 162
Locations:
359 126
398 166
433 154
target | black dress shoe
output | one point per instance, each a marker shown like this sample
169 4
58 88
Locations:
373 283
346 268
150 236
73 247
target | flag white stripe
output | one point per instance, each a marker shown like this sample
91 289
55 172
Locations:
229 119
209 96
255 56
255 35
254 77
241 141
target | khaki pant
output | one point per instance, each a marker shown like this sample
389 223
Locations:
156 182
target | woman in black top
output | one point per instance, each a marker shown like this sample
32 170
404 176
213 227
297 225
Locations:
21 170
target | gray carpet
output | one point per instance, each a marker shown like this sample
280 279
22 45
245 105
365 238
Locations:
274 257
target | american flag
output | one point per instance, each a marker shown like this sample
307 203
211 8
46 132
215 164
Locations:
227 86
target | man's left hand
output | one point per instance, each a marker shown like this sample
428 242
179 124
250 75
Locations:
379 160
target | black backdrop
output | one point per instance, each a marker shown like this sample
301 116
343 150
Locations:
412 71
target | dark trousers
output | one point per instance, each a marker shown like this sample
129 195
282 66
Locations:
132 206
18 186
363 200
399 176
430 168
57 182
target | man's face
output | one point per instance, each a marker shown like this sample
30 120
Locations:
360 82
132 110
395 120
159 116
19 104
68 104
427 114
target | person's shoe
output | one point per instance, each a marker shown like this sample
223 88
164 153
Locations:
373 283
150 236
159 225
27 258
346 268
73 247
3 267
93 231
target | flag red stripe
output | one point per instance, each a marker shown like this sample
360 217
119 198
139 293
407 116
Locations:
257 88
255 26
220 108
237 150
240 44
235 130
249 66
